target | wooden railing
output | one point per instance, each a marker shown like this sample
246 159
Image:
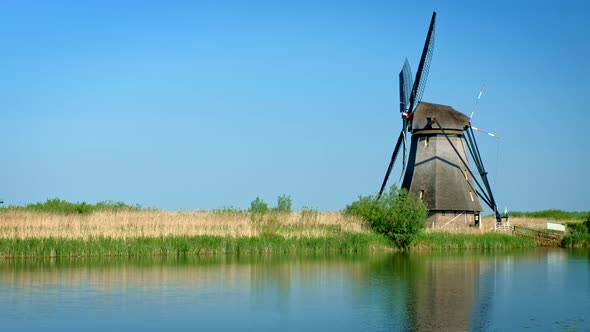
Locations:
504 227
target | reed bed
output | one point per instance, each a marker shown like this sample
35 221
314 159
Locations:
20 224
485 241
189 245
152 232
148 223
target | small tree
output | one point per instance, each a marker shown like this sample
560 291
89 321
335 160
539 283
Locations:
284 204
398 214
258 206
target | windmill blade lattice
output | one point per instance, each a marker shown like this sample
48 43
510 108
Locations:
405 87
393 157
423 67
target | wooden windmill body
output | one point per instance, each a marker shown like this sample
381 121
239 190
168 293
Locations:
436 167
435 172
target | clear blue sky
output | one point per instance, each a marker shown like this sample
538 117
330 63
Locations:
197 104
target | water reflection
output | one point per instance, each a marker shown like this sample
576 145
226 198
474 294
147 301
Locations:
412 292
442 293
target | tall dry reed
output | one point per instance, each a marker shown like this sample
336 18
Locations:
132 224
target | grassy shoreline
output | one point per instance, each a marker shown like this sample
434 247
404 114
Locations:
483 241
127 232
263 244
211 245
576 241
189 245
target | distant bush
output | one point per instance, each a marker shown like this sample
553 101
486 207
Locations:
228 210
552 214
283 204
56 205
261 207
577 227
398 214
258 206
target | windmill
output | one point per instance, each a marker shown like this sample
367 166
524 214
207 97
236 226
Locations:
436 167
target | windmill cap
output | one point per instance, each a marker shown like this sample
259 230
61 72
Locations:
446 116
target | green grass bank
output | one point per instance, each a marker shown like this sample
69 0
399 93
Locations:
190 245
264 244
576 240
483 241
57 228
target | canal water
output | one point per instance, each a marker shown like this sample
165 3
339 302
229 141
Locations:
535 290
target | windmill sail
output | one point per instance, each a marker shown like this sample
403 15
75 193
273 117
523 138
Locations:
424 66
405 87
393 157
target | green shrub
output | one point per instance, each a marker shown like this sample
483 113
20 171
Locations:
117 206
60 206
258 206
577 227
398 214
284 204
576 240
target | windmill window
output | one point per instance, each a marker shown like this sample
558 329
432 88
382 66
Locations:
471 196
426 141
465 173
421 195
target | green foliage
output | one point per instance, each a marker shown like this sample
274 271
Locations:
60 206
398 214
266 219
189 245
258 206
576 240
552 214
577 227
284 204
485 241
